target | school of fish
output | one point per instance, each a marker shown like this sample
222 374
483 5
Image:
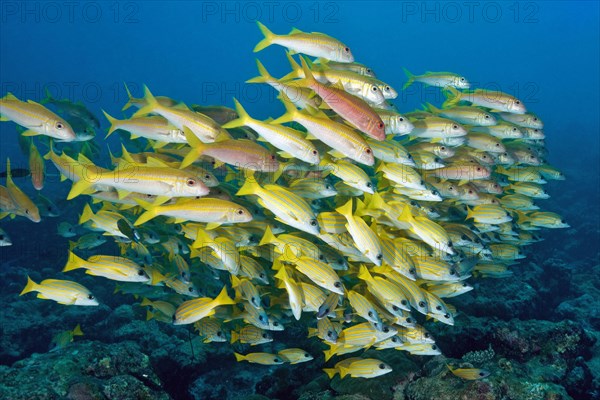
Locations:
341 215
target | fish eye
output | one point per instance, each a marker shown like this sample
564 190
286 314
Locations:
329 334
207 177
412 271
190 289
261 318
452 271
478 168
497 144
443 148
401 119
379 256
368 150
422 182
427 335
381 366
276 360
454 126
346 49
409 320
306 355
275 323
462 79
272 157
327 187
59 125
380 125
422 304
262 275
370 314
27 211
434 347
385 329
191 182
313 222
395 308
337 285
481 373
219 334
517 102
90 297
369 185
374 88
450 187
394 339
470 192
387 88
141 272
321 257
265 336
404 302
514 129
240 211
368 70
486 117
535 119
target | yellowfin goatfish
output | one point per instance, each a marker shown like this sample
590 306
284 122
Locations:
439 79
36 118
63 292
312 44
111 267
194 310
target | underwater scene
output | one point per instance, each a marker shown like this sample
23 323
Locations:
319 200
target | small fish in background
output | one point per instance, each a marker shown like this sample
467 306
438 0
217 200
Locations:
46 206
77 110
63 339
4 238
88 241
83 131
359 368
439 79
68 230
62 291
469 374
37 167
260 358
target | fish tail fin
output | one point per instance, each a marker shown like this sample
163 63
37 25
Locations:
150 106
239 357
73 262
268 39
346 209
364 274
452 97
330 372
202 239
406 215
77 331
243 118
344 371
469 212
410 76
48 97
430 107
296 68
290 110
86 214
234 336
113 123
145 302
250 185
79 187
309 80
31 286
223 298
130 98
151 212
264 76
9 180
197 148
149 315
268 237
329 353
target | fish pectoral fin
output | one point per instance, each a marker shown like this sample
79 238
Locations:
30 132
212 225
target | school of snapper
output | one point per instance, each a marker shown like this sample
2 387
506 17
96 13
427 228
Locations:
343 213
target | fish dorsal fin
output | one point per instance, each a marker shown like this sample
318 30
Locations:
156 162
295 31
10 96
